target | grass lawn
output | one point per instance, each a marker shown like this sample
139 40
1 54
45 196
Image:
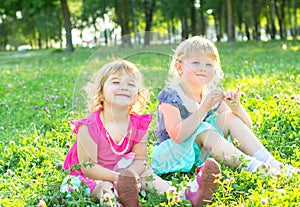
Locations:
40 92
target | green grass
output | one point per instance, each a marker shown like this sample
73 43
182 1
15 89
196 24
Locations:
41 92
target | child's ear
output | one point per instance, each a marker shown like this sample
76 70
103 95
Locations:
177 64
178 67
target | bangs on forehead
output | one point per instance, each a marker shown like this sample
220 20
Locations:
125 69
196 47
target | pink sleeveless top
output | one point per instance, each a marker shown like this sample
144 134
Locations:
106 157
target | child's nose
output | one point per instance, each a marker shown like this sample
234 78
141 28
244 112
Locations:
123 86
200 68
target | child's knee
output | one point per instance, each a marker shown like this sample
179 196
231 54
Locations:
227 117
207 134
147 175
209 140
150 179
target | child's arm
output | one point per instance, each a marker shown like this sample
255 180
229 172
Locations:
237 110
87 151
140 160
178 129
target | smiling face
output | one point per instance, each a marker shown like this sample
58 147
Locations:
120 84
196 68
120 89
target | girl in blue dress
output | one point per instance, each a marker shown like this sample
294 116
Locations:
195 116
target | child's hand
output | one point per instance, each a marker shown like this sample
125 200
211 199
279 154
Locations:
213 98
231 97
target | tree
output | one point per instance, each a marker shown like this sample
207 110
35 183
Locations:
219 15
279 10
230 23
202 20
68 25
295 25
149 7
91 12
273 12
6 28
121 9
193 17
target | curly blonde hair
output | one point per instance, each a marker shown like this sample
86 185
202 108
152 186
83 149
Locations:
201 45
115 67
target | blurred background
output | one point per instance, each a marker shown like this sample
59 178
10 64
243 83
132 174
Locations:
67 24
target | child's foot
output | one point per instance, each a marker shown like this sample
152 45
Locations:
127 189
289 170
203 189
268 170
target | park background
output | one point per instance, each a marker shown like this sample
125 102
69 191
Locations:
50 49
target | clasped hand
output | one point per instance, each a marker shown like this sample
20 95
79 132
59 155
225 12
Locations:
231 98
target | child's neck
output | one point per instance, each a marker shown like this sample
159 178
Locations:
194 93
112 115
116 123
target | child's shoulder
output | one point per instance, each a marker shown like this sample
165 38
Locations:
169 95
89 121
91 118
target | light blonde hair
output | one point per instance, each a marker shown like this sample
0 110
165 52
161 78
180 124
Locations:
116 67
200 45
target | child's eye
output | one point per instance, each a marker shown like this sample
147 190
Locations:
131 84
196 63
115 82
208 64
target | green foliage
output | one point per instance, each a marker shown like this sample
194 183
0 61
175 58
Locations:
40 94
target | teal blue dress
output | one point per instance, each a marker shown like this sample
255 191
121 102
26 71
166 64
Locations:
168 156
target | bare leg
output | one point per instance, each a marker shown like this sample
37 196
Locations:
222 150
229 123
232 125
156 182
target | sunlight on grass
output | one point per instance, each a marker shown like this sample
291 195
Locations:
41 93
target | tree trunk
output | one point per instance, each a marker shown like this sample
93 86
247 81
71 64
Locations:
122 18
39 41
149 9
135 23
290 23
5 42
125 29
267 27
240 22
94 23
246 19
280 16
230 24
203 23
68 26
295 20
174 31
256 33
273 30
185 31
217 28
193 17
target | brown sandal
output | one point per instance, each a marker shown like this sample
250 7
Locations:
204 188
127 188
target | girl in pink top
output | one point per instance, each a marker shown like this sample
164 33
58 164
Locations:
111 142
